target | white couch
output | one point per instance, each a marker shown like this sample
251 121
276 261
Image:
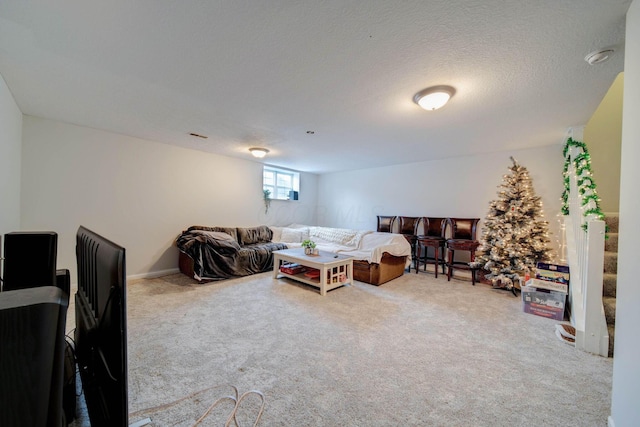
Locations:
379 257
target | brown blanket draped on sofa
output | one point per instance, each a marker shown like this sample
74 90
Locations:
220 253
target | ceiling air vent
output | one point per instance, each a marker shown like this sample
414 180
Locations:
197 135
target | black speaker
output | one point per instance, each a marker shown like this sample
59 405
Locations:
63 280
29 259
32 346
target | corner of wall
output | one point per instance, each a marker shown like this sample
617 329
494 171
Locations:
603 136
10 159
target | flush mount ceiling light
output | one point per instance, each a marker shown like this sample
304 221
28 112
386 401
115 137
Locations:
434 97
258 152
598 56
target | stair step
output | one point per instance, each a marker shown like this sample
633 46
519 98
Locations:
611 242
610 262
609 284
612 220
612 333
609 304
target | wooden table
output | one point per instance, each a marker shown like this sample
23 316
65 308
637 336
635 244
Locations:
335 269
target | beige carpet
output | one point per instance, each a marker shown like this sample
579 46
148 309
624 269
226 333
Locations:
416 351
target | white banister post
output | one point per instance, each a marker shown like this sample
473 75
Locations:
562 251
593 330
585 253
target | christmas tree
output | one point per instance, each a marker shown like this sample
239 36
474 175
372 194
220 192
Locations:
515 236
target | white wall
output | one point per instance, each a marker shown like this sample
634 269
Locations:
603 136
139 193
456 187
10 154
625 405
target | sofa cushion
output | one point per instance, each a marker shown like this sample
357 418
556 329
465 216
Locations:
216 239
294 235
340 236
231 231
218 235
277 233
253 235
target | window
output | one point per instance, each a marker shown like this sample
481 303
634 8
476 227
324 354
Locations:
283 184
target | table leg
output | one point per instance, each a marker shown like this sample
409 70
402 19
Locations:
323 281
276 266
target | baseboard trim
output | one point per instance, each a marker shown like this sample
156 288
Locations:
610 422
149 275
153 274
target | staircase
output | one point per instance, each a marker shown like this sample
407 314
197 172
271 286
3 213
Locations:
609 279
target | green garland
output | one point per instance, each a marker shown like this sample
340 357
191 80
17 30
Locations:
582 163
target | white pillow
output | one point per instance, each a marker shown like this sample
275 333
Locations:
294 235
305 233
277 233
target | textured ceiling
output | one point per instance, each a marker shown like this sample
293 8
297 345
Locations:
249 73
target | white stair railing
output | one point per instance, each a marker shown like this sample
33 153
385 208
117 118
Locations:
585 236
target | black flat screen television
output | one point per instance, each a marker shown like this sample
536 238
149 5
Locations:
101 328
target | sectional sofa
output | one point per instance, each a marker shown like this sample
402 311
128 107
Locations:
215 253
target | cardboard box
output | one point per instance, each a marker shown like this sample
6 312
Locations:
545 284
552 273
542 302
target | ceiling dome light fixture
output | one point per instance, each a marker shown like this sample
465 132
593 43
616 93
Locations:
598 56
258 152
434 97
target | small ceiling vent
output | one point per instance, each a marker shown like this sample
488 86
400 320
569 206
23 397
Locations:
598 56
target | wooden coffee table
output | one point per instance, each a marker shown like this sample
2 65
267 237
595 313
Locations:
335 269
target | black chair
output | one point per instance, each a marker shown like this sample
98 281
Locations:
385 223
409 229
463 238
433 237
